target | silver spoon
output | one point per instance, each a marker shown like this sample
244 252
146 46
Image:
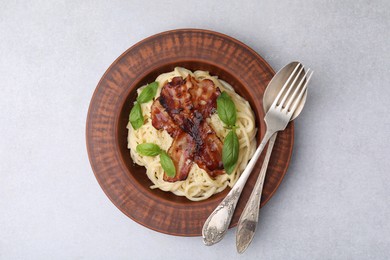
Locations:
249 218
276 119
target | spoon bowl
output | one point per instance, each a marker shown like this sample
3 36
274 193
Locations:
276 84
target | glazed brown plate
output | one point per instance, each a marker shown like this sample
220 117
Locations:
125 183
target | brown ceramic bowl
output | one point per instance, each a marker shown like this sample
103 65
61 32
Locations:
125 183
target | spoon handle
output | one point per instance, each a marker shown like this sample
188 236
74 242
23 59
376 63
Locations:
249 218
216 225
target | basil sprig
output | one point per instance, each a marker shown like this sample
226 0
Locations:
230 151
226 109
167 164
227 112
136 118
147 94
150 149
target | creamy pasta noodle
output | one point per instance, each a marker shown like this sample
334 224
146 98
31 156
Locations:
198 185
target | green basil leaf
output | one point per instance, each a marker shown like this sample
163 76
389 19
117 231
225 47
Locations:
167 164
148 93
229 169
226 109
148 149
230 152
136 118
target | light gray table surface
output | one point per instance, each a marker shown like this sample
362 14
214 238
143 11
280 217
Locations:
334 200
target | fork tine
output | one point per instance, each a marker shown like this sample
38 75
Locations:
290 88
297 88
299 98
284 86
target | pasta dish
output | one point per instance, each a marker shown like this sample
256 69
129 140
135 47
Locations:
180 131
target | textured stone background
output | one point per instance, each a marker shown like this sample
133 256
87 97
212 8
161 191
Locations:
334 201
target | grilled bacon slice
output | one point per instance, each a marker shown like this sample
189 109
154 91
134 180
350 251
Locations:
209 153
182 109
162 120
177 100
204 96
182 152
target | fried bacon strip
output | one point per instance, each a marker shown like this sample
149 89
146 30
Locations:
204 96
162 120
182 153
209 153
177 100
182 109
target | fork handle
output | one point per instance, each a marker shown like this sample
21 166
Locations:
250 215
216 225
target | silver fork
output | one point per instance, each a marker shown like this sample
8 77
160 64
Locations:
276 120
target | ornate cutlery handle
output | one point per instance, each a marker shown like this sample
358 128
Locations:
216 225
249 218
218 222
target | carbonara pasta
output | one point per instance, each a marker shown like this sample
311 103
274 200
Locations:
198 185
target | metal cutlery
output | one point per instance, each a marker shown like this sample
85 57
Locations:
249 217
276 119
